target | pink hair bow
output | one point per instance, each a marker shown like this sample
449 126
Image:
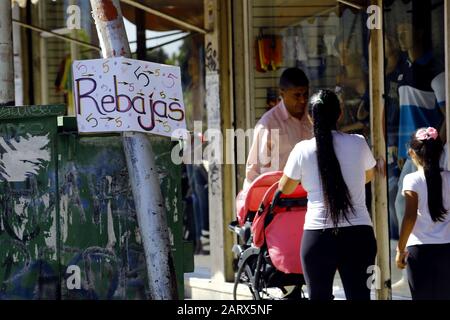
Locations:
426 134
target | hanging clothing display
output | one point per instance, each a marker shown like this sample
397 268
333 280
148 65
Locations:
269 52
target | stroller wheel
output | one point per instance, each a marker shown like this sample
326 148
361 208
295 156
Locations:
296 293
244 278
259 278
261 288
249 276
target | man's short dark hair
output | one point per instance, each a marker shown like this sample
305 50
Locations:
293 77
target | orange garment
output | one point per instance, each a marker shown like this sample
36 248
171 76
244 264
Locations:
269 53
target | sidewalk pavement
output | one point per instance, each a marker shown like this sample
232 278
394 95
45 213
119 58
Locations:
199 286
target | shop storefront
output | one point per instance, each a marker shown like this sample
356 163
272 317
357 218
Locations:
379 56
234 55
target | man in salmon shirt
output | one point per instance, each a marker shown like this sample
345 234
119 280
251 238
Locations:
280 128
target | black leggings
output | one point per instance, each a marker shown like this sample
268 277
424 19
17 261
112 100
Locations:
428 268
350 250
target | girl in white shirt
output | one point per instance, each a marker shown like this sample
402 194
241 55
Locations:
424 244
333 168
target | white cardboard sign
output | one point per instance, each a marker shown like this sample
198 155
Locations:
119 94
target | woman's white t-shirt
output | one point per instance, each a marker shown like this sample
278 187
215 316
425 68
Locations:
354 157
425 230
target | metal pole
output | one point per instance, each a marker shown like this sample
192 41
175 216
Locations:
150 208
141 40
48 33
350 4
17 47
447 75
6 55
379 188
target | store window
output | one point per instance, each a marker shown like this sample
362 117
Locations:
53 55
336 58
415 97
328 40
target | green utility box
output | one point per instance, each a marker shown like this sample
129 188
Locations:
68 227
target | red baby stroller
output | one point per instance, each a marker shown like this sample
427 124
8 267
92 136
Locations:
269 228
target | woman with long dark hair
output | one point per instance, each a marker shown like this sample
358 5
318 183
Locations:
424 244
333 168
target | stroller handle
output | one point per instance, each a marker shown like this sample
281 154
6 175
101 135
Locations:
275 199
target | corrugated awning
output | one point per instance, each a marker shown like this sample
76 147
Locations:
190 11
23 3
